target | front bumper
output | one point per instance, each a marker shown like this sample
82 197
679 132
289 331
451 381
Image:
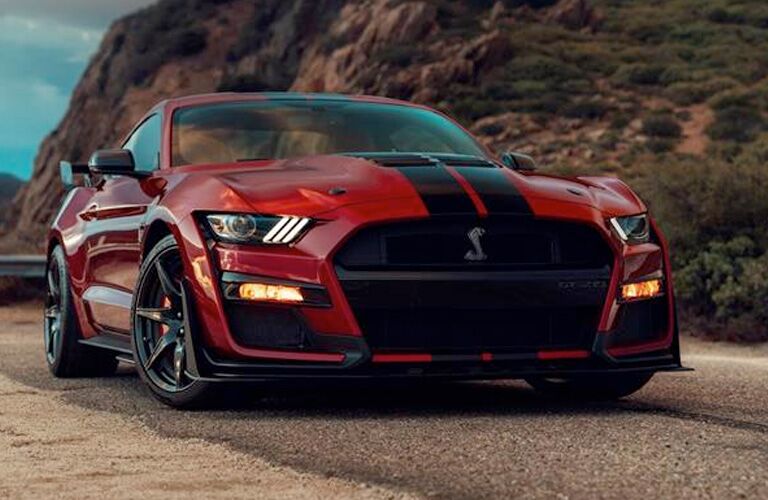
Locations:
358 363
335 347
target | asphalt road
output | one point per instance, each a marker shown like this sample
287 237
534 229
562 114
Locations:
687 435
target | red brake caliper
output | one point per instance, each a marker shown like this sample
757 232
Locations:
165 328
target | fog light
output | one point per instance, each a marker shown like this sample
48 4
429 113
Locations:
642 290
273 293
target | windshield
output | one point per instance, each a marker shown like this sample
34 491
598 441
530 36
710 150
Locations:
226 133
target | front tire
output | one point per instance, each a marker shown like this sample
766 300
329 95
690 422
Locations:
607 387
159 338
65 356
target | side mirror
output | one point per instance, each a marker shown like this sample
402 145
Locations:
68 171
518 161
114 162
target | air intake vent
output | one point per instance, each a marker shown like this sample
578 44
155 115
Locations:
424 160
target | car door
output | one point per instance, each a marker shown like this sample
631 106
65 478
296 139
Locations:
113 221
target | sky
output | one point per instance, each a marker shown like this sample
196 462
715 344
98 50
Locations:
45 46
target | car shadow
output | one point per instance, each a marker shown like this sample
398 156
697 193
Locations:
125 392
377 399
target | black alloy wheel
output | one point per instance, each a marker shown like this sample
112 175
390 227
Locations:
161 342
65 355
53 311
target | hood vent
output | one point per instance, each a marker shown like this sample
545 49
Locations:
424 160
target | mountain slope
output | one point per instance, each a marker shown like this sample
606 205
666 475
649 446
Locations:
671 95
571 82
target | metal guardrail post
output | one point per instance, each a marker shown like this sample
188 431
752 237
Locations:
23 266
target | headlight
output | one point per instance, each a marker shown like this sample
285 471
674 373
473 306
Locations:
632 229
257 229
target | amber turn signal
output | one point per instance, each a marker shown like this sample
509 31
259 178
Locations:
642 290
271 293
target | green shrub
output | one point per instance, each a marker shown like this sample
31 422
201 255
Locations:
722 15
727 282
662 126
736 124
244 83
591 109
700 200
639 74
659 145
470 109
401 55
491 129
751 98
713 214
543 69
688 93
187 42
620 120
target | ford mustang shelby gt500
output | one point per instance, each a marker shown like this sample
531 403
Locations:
255 237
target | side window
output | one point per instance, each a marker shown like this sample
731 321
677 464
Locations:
145 145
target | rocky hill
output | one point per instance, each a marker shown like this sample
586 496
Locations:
670 95
569 81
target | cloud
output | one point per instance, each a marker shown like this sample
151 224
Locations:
79 13
30 116
44 48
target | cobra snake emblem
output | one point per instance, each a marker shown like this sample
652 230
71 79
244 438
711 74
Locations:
476 254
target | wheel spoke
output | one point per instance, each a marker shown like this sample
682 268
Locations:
179 364
166 283
162 315
54 340
164 343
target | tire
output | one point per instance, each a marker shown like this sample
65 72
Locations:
606 387
65 356
158 336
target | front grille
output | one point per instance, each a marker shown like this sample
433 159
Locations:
517 242
542 285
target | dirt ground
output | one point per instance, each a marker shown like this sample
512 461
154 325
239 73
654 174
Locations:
701 434
53 449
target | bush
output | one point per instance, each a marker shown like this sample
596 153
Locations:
586 109
721 15
736 124
754 98
543 69
244 83
491 129
621 119
688 93
699 201
662 126
470 109
400 55
187 42
729 283
713 215
639 74
658 145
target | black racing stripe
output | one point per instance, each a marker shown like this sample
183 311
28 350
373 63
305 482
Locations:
497 192
440 192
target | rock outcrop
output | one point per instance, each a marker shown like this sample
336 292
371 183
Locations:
425 51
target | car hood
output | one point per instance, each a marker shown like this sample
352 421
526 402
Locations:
311 186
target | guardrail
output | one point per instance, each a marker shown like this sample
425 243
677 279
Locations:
23 266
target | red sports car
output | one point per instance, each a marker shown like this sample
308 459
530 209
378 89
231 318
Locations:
257 237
